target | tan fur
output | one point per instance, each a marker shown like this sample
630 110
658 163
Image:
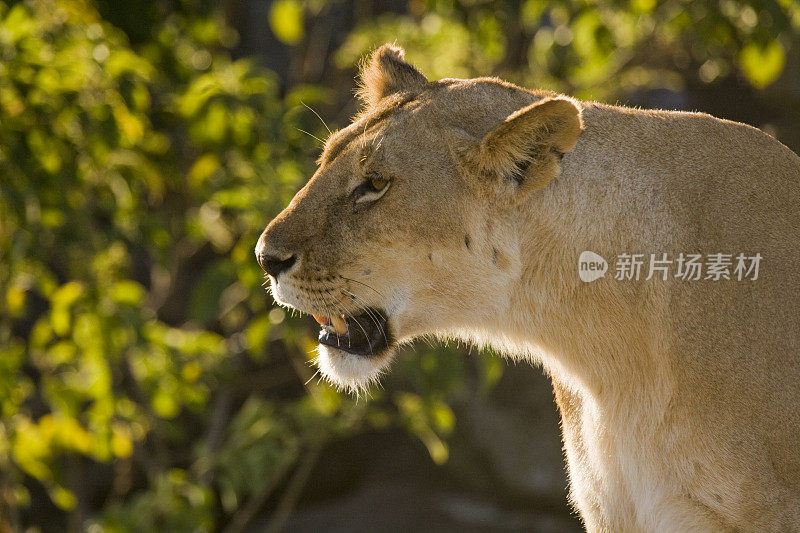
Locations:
680 400
387 73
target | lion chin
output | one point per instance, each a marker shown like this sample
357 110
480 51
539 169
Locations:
350 371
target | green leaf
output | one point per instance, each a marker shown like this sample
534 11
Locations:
164 403
642 6
203 167
15 300
286 21
437 448
63 498
442 416
67 294
127 292
257 335
762 64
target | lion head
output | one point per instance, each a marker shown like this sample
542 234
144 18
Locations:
403 230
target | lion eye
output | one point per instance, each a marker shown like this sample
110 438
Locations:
373 188
377 181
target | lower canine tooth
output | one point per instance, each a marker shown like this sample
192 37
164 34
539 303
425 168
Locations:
339 324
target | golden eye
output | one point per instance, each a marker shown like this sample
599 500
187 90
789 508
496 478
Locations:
377 181
371 189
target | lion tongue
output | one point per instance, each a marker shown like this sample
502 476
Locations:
337 322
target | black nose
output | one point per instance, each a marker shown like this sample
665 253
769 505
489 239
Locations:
273 265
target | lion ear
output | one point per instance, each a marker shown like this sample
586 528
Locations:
523 152
386 72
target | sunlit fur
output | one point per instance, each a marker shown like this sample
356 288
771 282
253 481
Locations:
356 374
680 401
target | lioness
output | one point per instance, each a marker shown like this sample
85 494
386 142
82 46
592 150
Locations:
460 208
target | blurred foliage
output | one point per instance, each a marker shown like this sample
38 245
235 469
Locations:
577 46
146 382
134 185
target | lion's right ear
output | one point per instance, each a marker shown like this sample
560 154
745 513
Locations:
522 153
386 72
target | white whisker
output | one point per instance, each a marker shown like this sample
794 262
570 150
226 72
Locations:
319 117
369 313
364 284
328 312
310 135
354 320
312 377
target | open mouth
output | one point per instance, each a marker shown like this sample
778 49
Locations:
366 334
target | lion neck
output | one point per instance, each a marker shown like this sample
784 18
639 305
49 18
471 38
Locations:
600 337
